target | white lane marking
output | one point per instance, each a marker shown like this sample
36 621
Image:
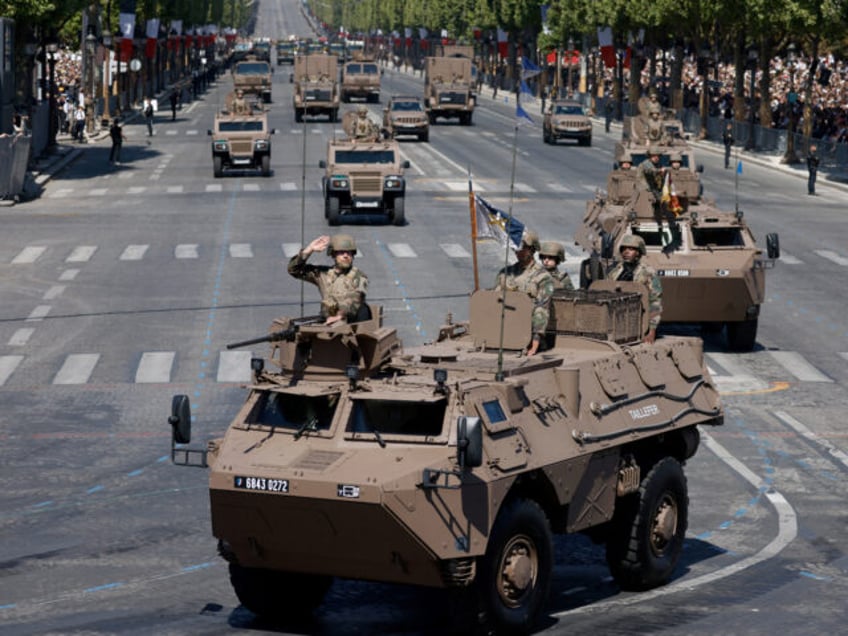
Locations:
288 186
214 187
241 250
98 192
61 193
29 254
81 254
136 189
738 378
523 187
234 366
174 189
443 160
39 313
8 364
455 250
186 250
798 366
171 132
789 259
833 256
69 274
787 531
77 368
290 249
460 186
192 132
250 187
20 337
401 250
806 433
54 292
134 252
155 366
558 187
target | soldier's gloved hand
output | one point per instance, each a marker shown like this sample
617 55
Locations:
333 320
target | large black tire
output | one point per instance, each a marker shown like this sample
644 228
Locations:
278 596
266 166
298 115
333 210
217 167
398 212
742 336
515 575
648 528
425 136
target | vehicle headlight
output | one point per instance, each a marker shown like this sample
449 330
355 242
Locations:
393 181
261 144
221 146
339 182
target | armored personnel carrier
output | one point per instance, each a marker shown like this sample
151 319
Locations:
253 76
453 464
361 78
241 138
449 89
364 173
316 86
406 115
712 271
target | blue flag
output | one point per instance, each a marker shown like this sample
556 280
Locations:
528 69
525 90
496 224
520 113
738 167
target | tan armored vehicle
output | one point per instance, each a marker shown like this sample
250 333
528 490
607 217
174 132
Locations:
286 50
253 76
241 138
316 86
452 465
406 115
712 271
361 79
449 89
364 173
566 119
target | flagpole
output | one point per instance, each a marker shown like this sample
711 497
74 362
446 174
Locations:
472 208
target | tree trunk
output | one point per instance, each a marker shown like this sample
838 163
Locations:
766 45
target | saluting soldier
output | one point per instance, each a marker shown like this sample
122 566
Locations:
630 268
552 253
343 287
528 276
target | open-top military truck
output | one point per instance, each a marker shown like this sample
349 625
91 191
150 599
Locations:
361 79
712 271
364 174
451 465
253 76
241 139
449 89
406 115
316 86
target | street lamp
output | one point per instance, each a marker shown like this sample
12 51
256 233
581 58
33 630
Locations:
570 65
107 76
750 144
792 63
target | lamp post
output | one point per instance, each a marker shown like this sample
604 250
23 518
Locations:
107 76
792 63
570 65
750 144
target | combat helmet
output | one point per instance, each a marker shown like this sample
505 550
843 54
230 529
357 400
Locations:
654 150
631 240
530 239
552 248
362 108
341 242
675 156
654 108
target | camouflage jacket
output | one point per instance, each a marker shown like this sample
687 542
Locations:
648 277
650 176
340 291
561 280
537 283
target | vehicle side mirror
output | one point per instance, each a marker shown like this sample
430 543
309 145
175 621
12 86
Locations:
405 164
209 132
322 163
700 167
607 245
469 441
180 419
773 245
273 131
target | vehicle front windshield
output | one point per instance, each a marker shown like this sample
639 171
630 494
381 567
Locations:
365 156
252 68
294 412
411 106
354 69
396 417
370 69
569 109
240 126
717 236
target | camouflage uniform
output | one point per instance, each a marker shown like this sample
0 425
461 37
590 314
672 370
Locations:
537 283
561 280
343 291
650 177
648 277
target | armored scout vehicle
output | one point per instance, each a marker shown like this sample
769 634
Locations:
286 50
316 86
361 79
712 272
241 139
449 89
405 115
451 465
253 76
363 174
566 119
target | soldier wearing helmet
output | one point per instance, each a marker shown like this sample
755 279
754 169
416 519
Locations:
362 127
342 286
651 173
675 159
625 160
239 104
552 254
529 276
630 268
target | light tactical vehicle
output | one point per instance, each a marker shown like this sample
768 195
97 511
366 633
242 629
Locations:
453 464
286 50
316 86
361 79
364 174
566 119
449 89
253 76
712 271
406 115
241 140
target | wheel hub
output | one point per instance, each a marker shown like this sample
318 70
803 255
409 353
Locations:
665 525
518 571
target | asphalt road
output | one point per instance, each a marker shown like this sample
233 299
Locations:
120 287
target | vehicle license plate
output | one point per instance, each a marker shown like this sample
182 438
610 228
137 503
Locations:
262 484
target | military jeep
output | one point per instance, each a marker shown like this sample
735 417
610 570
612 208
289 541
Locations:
406 115
241 141
566 119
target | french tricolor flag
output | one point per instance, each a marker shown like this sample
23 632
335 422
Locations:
607 48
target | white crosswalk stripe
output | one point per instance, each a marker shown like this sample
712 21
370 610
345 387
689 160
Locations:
155 366
39 313
8 364
175 189
241 250
20 337
288 186
795 364
234 366
833 257
81 254
77 368
186 250
214 187
454 250
402 250
29 254
98 192
788 259
134 252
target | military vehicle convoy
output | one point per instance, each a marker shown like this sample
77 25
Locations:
712 271
316 86
241 139
286 50
253 76
452 465
361 79
449 89
364 174
406 115
566 119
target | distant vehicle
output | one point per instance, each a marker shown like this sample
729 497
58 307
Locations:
406 115
241 141
566 119
285 52
253 76
316 86
449 89
262 49
361 79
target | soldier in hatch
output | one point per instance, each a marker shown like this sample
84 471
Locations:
528 276
342 286
630 268
239 106
362 127
651 175
552 254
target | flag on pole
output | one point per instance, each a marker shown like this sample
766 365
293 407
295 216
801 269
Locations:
528 69
607 48
495 224
520 113
739 167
